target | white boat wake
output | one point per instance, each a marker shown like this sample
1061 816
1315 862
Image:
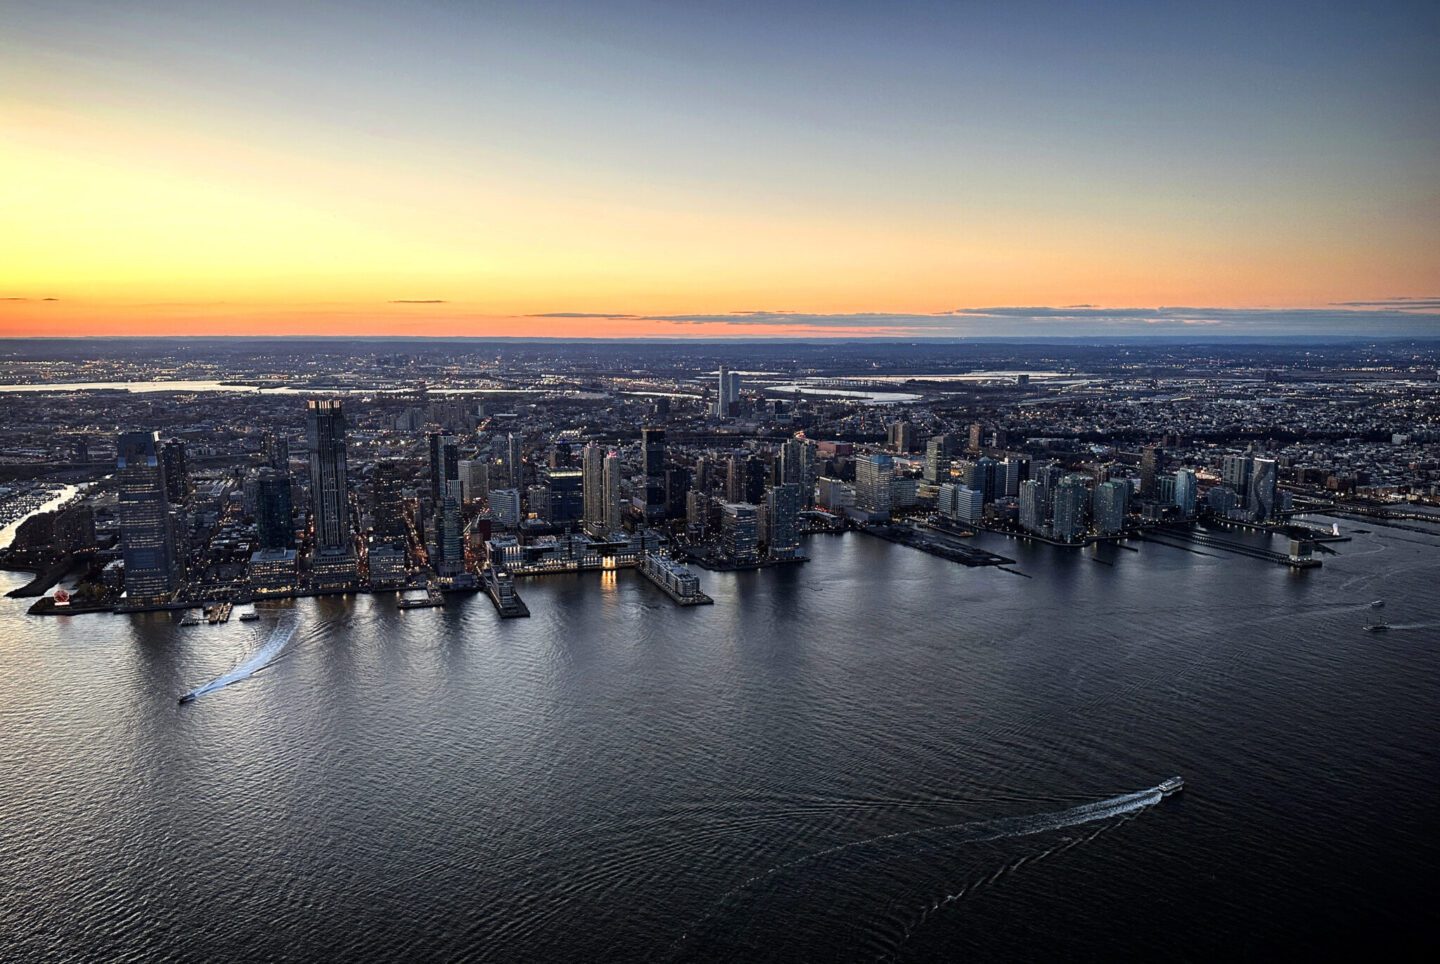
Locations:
267 653
950 835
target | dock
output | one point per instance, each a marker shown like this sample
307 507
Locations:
430 600
937 542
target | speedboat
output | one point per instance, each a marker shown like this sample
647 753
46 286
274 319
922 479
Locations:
188 698
1172 785
1378 604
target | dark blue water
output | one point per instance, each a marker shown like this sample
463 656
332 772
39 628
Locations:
878 755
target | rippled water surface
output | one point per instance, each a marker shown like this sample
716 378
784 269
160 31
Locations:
878 755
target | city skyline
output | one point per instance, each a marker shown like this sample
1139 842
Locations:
553 170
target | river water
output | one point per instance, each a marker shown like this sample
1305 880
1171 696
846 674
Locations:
876 755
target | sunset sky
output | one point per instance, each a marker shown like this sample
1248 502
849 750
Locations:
714 169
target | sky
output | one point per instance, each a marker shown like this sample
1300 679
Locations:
593 169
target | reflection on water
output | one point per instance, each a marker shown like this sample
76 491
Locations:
590 783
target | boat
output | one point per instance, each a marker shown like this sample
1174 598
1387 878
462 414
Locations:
249 616
1172 785
1380 627
187 698
1378 604
190 620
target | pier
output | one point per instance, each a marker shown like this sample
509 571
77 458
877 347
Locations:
674 579
499 585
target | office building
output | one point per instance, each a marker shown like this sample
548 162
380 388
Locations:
147 535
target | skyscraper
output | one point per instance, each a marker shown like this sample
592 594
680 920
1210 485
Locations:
514 461
474 480
797 465
611 471
1263 478
276 450
329 493
1186 491
872 484
1112 502
592 471
177 471
739 532
937 459
1152 463
450 534
727 397
567 495
274 514
444 465
652 440
900 436
782 518
1070 499
147 538
387 506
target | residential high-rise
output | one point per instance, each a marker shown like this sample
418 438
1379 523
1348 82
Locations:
739 532
276 449
977 437
1032 501
1263 479
514 461
611 470
444 465
652 441
872 484
505 508
937 459
147 537
1070 498
592 471
474 480
782 518
1187 491
1016 469
387 505
450 535
900 436
735 478
177 471
797 465
274 514
727 398
1152 463
329 492
677 487
1112 503
1235 471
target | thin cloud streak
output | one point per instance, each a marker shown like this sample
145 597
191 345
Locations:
1415 318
